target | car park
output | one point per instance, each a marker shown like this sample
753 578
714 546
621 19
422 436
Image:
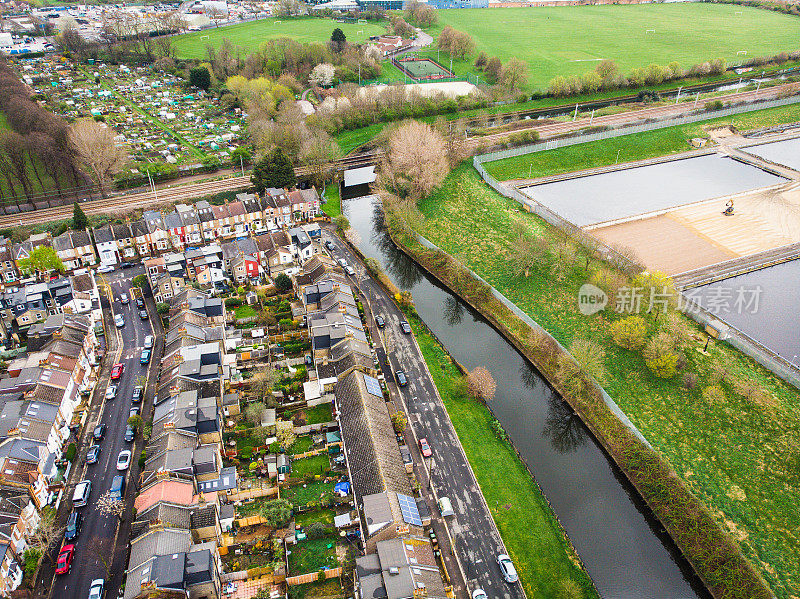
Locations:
65 557
130 433
111 392
117 370
148 342
119 321
73 528
405 327
123 459
82 492
99 432
507 569
97 589
402 380
145 359
424 448
123 298
140 303
137 394
143 314
380 322
92 454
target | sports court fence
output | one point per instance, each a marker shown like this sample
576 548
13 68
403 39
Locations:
785 369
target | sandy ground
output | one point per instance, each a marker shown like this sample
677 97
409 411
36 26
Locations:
453 89
699 235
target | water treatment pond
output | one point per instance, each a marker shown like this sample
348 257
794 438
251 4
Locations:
772 319
786 152
623 547
625 193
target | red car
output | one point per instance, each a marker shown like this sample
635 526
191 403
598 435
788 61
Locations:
65 559
424 448
116 371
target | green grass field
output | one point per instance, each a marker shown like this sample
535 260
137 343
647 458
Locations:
250 35
571 40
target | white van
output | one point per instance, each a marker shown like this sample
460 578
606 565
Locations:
81 495
445 507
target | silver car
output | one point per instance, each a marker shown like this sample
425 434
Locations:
507 569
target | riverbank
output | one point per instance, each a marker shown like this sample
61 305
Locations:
483 236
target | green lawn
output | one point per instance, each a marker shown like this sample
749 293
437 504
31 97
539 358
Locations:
311 556
250 35
314 465
639 146
245 311
544 560
252 508
318 414
310 517
301 445
303 494
570 40
739 456
333 201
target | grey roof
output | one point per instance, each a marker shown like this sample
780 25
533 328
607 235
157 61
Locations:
226 480
103 234
199 567
204 516
122 231
139 227
168 514
158 542
173 221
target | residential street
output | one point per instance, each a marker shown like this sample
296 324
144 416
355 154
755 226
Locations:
100 535
472 530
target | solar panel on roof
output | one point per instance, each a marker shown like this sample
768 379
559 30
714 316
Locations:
373 386
408 506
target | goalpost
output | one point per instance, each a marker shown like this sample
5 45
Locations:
277 22
204 37
362 21
740 52
359 32
646 31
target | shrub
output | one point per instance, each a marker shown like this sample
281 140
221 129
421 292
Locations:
399 422
714 395
498 429
316 531
72 450
660 356
630 333
714 105
233 302
162 308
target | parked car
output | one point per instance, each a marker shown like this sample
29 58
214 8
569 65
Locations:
73 526
105 268
134 411
424 448
130 433
82 492
117 370
380 322
350 270
405 327
93 454
99 432
137 394
342 262
140 303
97 589
479 593
119 320
402 380
148 342
128 264
507 569
123 459
123 298
64 562
111 392
143 314
145 359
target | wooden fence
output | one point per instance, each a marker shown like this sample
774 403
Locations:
312 576
247 494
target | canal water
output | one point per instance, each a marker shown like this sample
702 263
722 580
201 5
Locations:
629 192
624 549
785 152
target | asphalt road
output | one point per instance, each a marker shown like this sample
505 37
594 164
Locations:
100 534
472 531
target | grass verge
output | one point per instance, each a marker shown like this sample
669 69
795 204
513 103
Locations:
333 201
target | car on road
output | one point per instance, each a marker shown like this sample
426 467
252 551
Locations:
99 432
424 448
123 298
97 589
145 359
350 270
123 459
65 556
119 320
117 370
402 380
140 303
128 264
134 411
380 322
73 528
143 314
137 394
111 392
93 454
405 327
130 433
105 268
82 492
148 342
342 262
328 245
479 593
507 569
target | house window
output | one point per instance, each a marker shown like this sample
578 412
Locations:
23 319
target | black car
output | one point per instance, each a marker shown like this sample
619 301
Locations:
99 432
380 322
137 395
73 526
128 264
329 245
140 303
143 314
405 327
130 433
93 454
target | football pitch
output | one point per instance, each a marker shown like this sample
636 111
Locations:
571 40
250 35
420 69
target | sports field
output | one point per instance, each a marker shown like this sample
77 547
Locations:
250 35
423 68
571 40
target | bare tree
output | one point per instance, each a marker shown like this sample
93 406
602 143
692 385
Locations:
12 145
108 505
102 549
96 151
264 380
216 14
317 153
416 161
512 75
481 384
47 533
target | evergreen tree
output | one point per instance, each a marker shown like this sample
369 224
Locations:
274 170
200 77
79 219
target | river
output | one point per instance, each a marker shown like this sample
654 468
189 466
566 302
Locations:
623 548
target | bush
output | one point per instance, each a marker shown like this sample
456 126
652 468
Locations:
233 302
72 450
660 357
283 283
316 531
162 308
714 105
630 333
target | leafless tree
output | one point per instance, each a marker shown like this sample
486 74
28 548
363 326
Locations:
264 380
512 75
96 151
12 146
317 153
108 505
102 549
481 384
47 533
416 161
